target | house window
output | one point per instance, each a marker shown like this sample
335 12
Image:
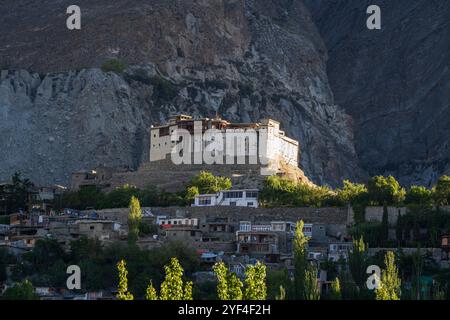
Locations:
233 194
252 194
204 201
233 203
249 204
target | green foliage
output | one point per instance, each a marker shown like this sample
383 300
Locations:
255 280
352 193
280 192
330 267
282 294
17 195
418 195
385 191
134 220
163 90
46 264
335 290
206 182
418 264
275 280
372 232
300 246
113 65
172 287
20 291
390 284
442 191
191 192
312 290
122 290
229 287
150 293
188 291
221 272
435 221
357 260
117 198
146 229
234 287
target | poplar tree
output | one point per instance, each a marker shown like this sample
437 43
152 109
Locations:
335 290
282 294
150 293
229 287
188 291
300 260
389 288
312 290
235 286
172 286
134 220
255 280
122 290
357 260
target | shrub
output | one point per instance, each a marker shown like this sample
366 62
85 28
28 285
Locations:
113 65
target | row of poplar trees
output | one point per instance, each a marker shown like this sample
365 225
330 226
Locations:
302 286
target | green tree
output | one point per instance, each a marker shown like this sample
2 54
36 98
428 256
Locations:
385 191
188 291
134 220
191 192
335 290
419 195
206 182
150 292
312 290
235 286
122 290
300 249
17 195
390 284
282 294
229 287
172 287
417 273
352 193
357 260
221 272
20 291
255 280
442 191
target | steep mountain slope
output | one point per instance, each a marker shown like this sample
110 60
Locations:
245 60
394 82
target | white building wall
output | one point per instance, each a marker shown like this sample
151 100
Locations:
220 200
269 135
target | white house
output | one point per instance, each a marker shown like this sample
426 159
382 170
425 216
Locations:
236 198
164 221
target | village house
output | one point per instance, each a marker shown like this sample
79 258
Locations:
103 230
339 250
269 240
236 198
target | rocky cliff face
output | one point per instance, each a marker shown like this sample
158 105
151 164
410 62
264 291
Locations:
395 83
245 60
